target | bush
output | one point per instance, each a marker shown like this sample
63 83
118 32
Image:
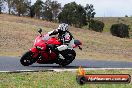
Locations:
120 30
96 25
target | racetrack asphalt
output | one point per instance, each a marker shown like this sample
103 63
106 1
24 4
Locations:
13 64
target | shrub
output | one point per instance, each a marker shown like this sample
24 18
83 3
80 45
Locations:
96 25
120 30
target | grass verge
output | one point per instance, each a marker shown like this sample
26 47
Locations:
55 80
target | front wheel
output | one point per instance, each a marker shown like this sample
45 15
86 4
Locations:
27 59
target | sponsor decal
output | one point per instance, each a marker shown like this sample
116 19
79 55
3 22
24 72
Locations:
83 78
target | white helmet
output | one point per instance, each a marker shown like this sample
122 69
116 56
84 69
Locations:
63 27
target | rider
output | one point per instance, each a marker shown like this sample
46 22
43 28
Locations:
64 36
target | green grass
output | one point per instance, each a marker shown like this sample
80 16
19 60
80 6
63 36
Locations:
55 80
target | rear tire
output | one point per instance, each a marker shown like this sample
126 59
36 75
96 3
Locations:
27 59
69 56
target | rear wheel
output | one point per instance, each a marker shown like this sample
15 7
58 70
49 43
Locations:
69 56
27 59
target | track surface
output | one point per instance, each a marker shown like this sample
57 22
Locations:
13 64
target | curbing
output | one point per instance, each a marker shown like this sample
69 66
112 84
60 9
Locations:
62 70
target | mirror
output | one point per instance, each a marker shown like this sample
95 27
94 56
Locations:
40 30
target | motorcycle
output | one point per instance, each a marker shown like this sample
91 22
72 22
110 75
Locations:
43 52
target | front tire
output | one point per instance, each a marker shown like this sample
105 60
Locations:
27 59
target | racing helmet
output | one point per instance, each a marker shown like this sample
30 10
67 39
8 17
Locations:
63 27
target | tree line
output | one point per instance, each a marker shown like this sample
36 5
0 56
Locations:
72 13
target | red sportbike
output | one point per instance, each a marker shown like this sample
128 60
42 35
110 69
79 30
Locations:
43 52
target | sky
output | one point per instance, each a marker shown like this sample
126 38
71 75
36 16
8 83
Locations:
104 8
